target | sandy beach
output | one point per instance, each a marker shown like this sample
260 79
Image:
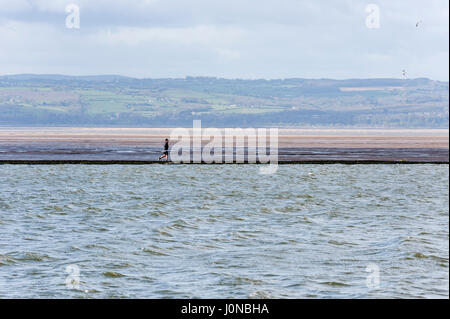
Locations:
295 145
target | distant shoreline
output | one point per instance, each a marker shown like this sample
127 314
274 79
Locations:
110 101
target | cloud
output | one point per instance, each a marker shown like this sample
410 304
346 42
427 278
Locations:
14 6
198 35
247 39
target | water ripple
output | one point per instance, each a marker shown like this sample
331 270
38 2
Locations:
185 231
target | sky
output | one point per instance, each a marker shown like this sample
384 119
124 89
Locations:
250 39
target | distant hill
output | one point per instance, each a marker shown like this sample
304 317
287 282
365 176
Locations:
112 100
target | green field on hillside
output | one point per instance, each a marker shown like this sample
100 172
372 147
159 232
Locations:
62 100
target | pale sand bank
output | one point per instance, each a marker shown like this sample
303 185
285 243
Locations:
290 138
295 145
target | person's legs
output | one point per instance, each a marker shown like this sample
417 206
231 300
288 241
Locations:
165 155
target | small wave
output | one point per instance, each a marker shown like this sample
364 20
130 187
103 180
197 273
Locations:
180 224
5 259
91 291
439 259
419 255
154 252
307 196
30 256
4 205
158 213
113 274
163 233
339 243
90 246
260 294
334 284
237 281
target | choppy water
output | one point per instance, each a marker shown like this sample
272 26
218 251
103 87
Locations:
224 231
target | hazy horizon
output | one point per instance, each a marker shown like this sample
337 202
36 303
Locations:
210 76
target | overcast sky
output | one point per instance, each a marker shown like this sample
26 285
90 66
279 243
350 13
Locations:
227 38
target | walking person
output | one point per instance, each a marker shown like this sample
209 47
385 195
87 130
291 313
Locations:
166 151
